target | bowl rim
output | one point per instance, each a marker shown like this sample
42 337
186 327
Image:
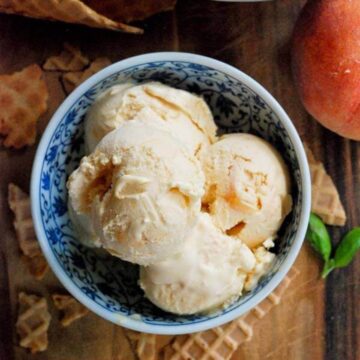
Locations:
132 322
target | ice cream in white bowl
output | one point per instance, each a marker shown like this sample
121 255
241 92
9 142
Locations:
106 284
142 190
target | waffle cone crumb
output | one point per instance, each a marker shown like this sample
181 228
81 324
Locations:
23 99
73 79
19 203
325 201
70 59
33 322
71 309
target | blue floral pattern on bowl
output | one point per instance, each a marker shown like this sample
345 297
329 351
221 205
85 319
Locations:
108 281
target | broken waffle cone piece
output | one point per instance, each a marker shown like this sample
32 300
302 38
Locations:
143 344
70 59
23 99
221 342
71 309
19 203
325 201
72 79
70 11
122 346
33 322
37 266
127 11
146 347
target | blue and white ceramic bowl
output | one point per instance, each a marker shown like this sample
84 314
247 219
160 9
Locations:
103 283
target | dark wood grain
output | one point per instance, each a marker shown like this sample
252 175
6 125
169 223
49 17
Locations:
317 320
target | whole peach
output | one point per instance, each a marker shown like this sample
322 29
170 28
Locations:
326 63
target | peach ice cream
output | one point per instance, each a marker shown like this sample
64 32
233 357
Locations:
142 189
247 187
184 115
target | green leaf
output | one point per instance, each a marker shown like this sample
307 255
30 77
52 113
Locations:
347 248
318 237
328 267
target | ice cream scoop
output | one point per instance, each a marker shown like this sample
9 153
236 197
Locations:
186 116
142 189
210 270
247 187
102 115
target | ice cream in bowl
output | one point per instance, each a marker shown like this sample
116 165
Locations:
170 193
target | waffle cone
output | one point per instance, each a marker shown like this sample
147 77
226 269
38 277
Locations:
126 350
37 266
70 59
325 201
23 99
70 11
127 11
33 322
71 80
221 342
143 344
71 309
19 203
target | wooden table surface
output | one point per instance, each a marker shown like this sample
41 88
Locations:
317 319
